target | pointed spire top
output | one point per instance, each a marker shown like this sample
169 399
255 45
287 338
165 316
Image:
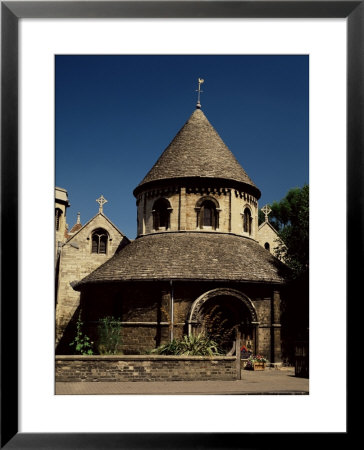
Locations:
197 151
200 81
78 217
101 201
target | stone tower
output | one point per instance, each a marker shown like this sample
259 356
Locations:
197 185
61 205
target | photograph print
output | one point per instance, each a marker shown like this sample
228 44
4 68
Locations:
181 224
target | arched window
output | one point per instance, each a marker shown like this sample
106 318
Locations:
161 211
267 246
247 221
58 218
207 214
99 241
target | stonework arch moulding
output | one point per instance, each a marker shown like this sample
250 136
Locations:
218 292
247 206
205 198
96 228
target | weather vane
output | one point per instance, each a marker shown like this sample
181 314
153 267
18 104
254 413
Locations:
200 81
101 201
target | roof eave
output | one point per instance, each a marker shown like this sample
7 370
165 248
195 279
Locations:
78 286
198 181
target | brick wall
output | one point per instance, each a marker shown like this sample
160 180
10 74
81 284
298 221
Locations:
145 368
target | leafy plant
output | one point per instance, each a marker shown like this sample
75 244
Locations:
81 342
290 217
218 329
109 336
255 359
199 345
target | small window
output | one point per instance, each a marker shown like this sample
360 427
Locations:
99 241
267 246
161 212
58 218
247 221
207 215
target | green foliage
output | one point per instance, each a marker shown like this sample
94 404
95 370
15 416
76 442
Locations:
290 217
109 336
218 328
199 345
81 342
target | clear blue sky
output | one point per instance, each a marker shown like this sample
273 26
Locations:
116 114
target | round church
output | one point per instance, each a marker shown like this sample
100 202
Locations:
196 264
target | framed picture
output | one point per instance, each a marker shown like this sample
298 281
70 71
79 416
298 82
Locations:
12 179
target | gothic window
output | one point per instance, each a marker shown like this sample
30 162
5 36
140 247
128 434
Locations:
247 221
58 218
161 211
267 246
207 214
99 241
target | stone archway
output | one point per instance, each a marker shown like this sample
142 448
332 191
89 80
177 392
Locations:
220 312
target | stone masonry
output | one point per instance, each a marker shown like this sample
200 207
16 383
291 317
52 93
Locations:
144 368
77 261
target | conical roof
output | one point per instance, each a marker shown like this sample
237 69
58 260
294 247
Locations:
197 151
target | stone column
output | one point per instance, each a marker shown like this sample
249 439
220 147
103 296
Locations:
276 353
238 355
256 337
182 209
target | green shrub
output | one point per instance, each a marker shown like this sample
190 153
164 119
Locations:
81 342
109 336
199 345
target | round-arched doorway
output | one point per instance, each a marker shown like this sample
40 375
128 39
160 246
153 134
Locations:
220 313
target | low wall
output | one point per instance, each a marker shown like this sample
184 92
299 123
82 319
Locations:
145 368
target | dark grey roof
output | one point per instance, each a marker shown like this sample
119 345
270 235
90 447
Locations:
197 151
189 256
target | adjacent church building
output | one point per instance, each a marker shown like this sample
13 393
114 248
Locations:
199 262
78 252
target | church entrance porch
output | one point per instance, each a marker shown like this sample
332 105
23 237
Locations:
221 313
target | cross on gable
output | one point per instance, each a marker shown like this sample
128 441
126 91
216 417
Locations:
101 201
266 209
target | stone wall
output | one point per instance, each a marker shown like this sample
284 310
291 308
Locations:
267 234
184 217
144 312
77 261
145 368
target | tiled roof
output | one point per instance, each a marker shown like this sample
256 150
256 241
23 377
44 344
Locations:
76 227
197 151
189 256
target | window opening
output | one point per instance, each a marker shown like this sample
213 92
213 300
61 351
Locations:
247 221
99 241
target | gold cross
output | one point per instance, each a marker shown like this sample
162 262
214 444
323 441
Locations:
101 201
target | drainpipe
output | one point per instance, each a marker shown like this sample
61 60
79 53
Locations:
172 310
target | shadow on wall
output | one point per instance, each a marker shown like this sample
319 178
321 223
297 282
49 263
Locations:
63 347
123 243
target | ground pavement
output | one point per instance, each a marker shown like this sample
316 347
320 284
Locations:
271 381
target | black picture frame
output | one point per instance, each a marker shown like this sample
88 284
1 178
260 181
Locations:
11 12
